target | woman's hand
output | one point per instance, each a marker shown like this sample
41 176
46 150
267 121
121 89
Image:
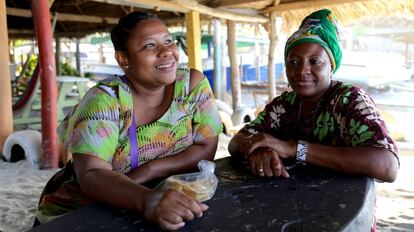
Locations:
169 209
266 162
284 149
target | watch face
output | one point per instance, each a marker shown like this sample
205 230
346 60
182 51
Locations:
301 151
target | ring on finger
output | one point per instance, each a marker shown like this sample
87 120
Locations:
260 170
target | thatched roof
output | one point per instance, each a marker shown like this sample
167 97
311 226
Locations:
354 11
77 18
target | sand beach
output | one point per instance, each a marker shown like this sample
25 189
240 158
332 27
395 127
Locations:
20 188
395 201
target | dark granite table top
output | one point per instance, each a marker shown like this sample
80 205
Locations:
312 199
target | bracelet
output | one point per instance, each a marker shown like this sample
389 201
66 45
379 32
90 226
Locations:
302 151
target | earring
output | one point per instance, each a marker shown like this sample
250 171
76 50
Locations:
126 67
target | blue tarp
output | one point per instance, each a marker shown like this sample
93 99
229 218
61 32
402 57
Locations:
249 74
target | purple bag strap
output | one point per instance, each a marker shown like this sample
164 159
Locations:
133 149
132 133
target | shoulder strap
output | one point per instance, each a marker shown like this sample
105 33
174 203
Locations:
132 133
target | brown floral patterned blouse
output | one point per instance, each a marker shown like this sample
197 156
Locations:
345 116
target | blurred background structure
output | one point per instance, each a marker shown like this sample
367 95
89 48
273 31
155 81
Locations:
238 44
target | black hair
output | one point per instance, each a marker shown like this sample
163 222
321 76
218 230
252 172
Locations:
124 29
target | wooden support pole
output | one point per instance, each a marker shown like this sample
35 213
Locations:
192 21
257 53
11 53
43 28
57 56
271 60
101 52
78 60
235 78
6 119
217 59
223 64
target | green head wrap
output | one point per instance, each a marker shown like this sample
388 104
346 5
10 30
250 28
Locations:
319 27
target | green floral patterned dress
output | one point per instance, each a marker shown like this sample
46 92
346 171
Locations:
99 127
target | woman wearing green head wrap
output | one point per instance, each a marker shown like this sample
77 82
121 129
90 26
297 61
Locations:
321 122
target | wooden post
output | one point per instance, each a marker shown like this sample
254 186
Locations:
43 28
11 53
257 53
217 59
192 21
57 56
101 52
271 58
78 62
235 78
6 119
223 64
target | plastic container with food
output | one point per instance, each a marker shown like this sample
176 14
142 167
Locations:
200 186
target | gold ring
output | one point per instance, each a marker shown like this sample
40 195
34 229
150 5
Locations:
260 170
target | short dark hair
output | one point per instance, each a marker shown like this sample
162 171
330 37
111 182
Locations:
123 30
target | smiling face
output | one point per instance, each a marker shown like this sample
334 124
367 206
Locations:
308 69
151 55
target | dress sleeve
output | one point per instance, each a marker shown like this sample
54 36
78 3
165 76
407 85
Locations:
206 119
361 122
269 120
93 126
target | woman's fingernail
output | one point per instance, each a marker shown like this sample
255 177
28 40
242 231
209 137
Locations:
206 206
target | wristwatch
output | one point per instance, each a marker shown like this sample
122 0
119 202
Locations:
302 151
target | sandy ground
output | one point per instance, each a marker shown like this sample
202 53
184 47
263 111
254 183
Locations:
21 187
395 201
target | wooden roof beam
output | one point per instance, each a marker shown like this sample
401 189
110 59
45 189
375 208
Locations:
185 6
127 9
147 4
308 4
86 18
218 13
233 3
64 17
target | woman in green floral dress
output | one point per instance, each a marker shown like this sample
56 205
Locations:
155 121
